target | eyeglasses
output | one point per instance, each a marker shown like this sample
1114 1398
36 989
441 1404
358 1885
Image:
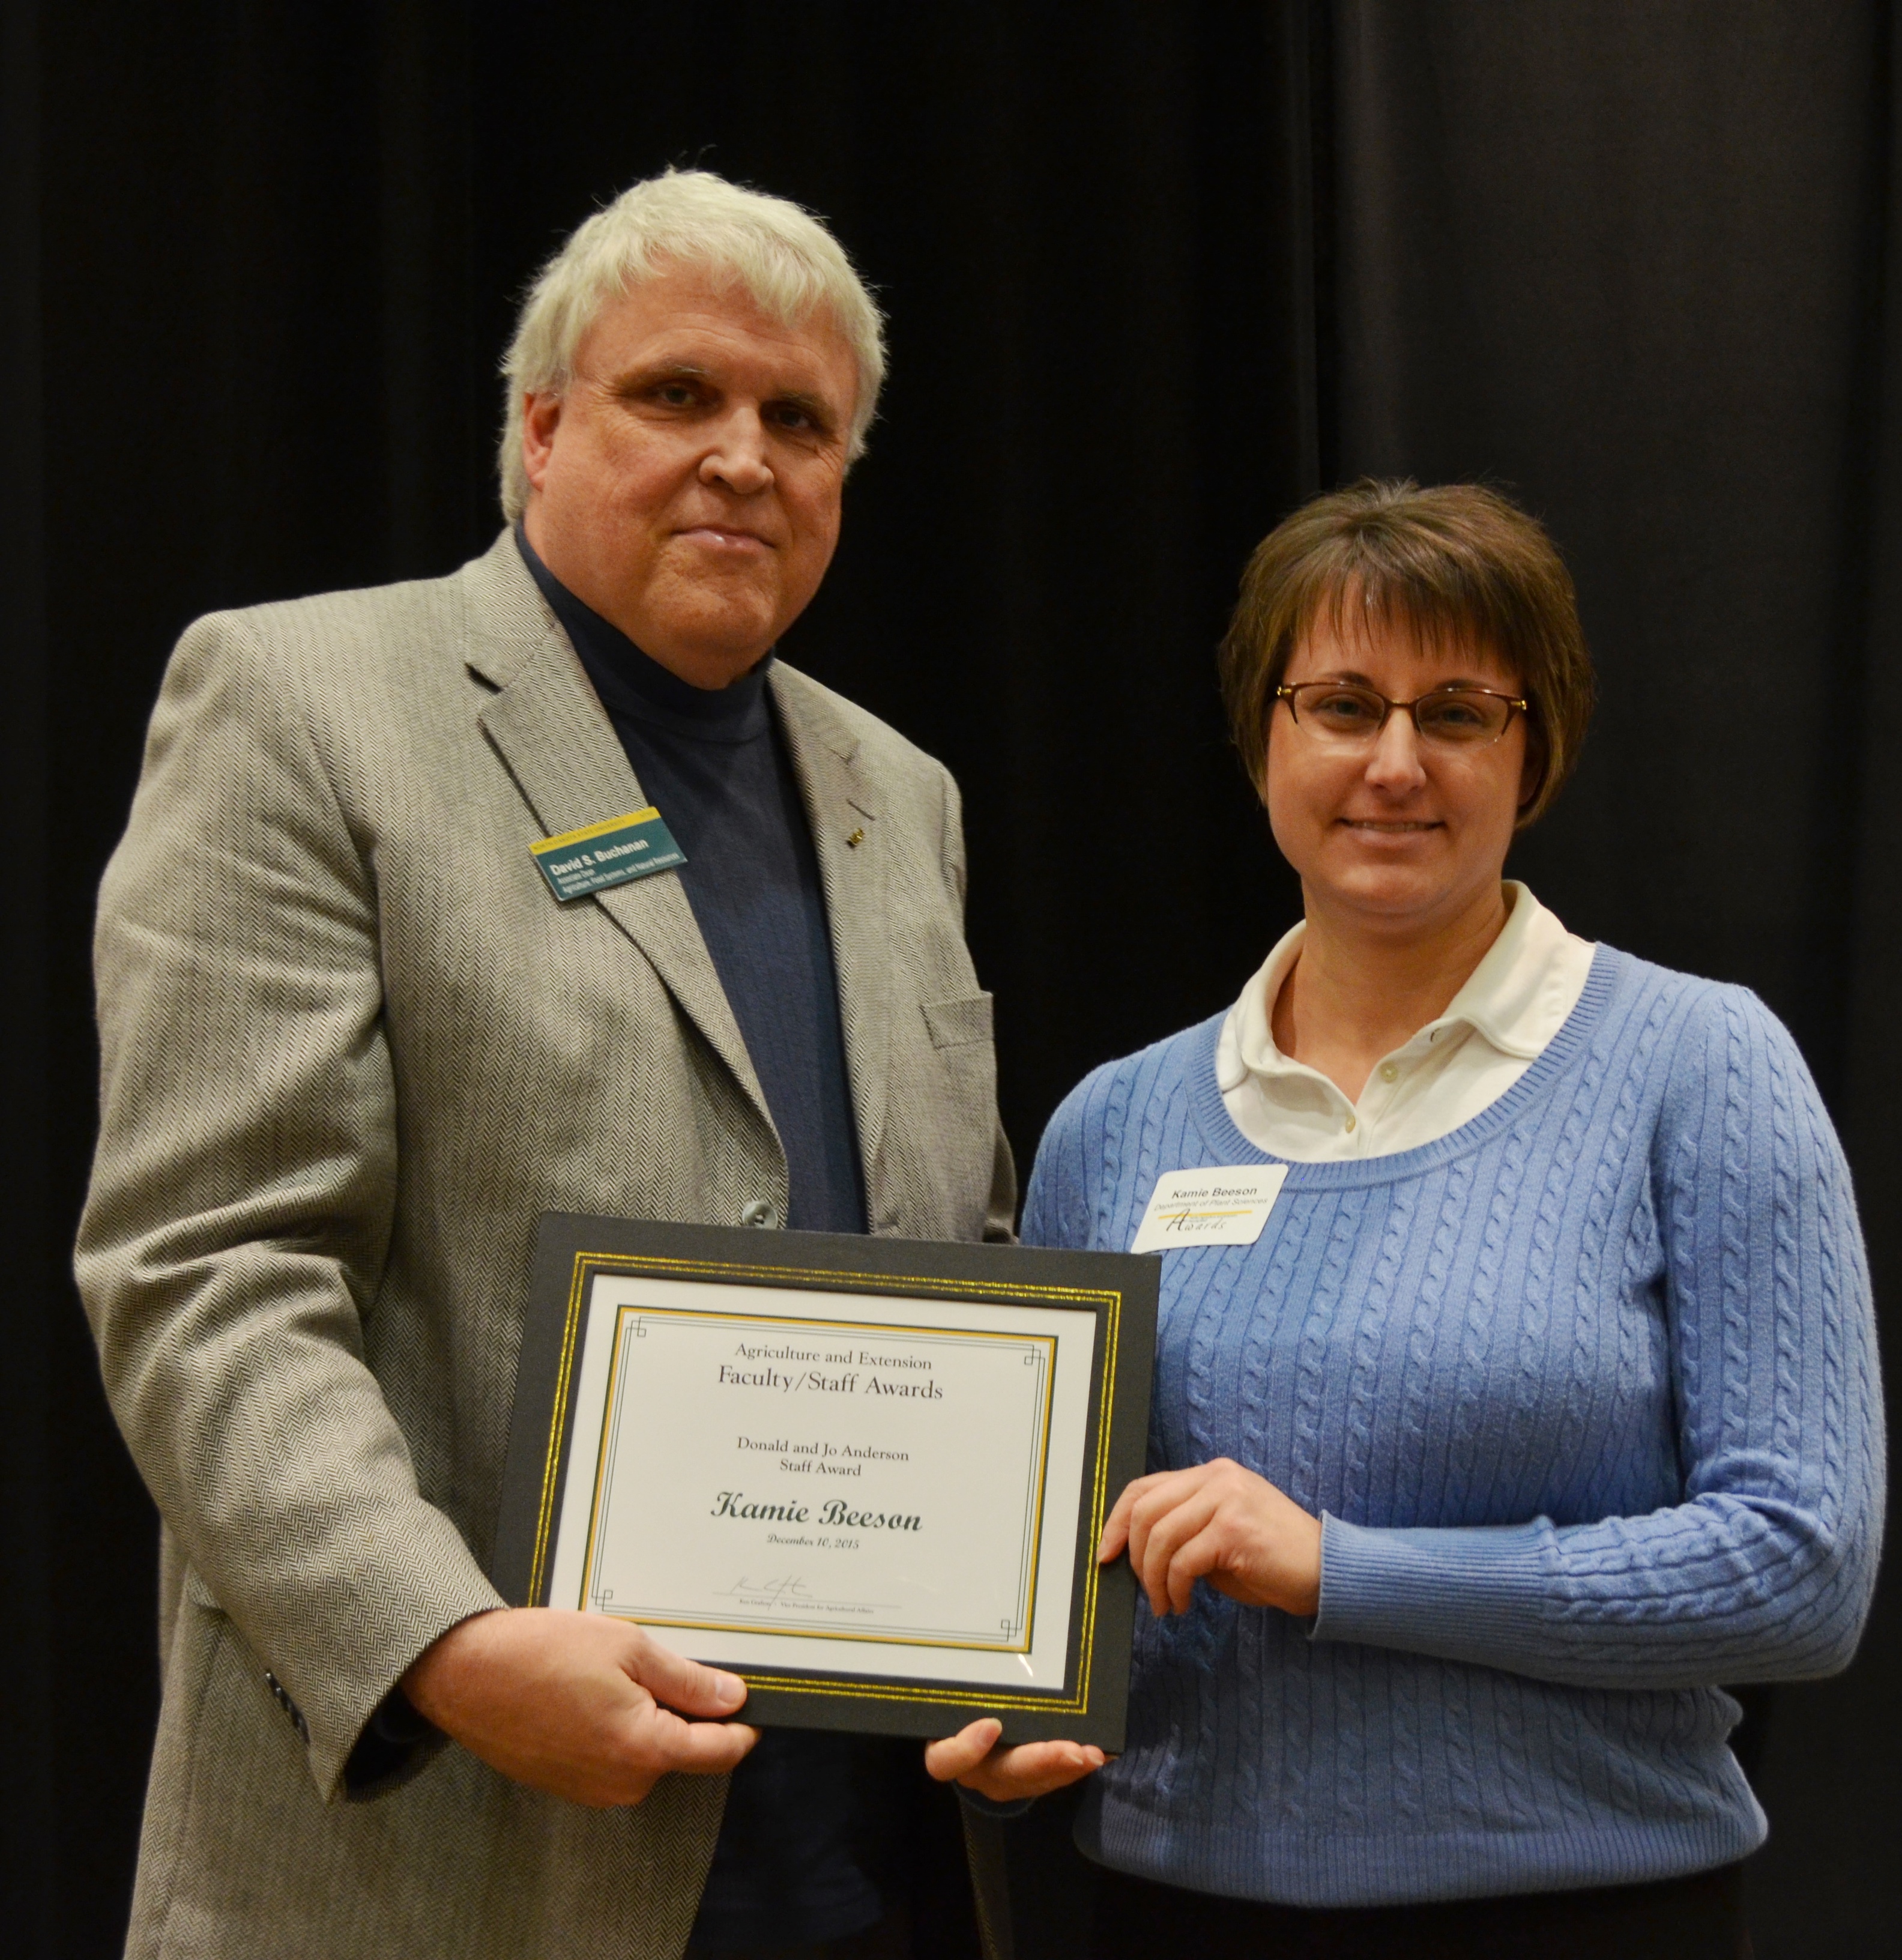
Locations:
1348 715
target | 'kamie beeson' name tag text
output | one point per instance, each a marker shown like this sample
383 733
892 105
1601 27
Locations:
1225 1205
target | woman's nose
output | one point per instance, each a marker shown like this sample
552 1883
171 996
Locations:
1395 763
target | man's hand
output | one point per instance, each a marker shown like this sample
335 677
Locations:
1220 1522
972 1757
571 1702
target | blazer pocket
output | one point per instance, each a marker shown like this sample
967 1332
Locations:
954 1023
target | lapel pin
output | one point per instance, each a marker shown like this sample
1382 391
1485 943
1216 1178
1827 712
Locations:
855 840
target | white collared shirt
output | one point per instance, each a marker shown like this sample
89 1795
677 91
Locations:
1493 1031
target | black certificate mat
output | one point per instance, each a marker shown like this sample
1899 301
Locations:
868 1475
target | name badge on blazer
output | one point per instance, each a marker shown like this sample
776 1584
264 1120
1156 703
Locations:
1226 1205
609 853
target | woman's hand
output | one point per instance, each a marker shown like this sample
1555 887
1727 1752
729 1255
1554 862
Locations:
972 1757
1220 1522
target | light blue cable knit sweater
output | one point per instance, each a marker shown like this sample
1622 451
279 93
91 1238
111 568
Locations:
1587 1393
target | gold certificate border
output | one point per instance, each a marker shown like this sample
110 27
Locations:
588 1266
873 1327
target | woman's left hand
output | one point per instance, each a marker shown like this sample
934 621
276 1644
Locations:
1223 1523
972 1757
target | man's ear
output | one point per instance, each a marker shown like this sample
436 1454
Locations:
541 416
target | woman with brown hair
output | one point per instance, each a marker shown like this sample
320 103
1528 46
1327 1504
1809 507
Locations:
1541 1399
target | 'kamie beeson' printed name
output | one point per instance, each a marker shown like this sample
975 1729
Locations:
833 1511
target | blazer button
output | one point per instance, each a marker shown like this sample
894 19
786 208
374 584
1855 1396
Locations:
762 1212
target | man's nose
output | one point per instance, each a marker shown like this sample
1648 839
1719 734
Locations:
1394 763
738 456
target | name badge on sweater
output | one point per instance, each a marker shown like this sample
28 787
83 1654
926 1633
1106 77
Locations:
609 853
1226 1206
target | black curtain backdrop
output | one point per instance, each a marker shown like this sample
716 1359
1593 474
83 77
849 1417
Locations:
1155 274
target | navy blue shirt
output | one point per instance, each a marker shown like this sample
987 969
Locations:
810 1848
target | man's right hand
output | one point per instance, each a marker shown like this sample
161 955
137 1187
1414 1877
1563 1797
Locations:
573 1703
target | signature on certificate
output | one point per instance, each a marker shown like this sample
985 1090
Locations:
790 1591
791 1588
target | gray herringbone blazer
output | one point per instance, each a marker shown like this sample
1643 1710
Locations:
352 1048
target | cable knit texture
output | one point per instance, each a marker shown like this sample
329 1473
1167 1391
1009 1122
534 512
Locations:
1586 1394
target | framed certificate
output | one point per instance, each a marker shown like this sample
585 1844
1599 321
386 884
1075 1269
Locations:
869 1475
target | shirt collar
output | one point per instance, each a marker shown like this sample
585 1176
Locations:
1510 996
1515 999
634 686
1254 1052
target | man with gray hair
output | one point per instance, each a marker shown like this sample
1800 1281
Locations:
354 1044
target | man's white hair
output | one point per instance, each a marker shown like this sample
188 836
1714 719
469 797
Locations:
787 262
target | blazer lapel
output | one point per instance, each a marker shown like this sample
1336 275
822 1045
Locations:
567 761
843 808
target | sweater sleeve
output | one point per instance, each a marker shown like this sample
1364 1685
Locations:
1764 1570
